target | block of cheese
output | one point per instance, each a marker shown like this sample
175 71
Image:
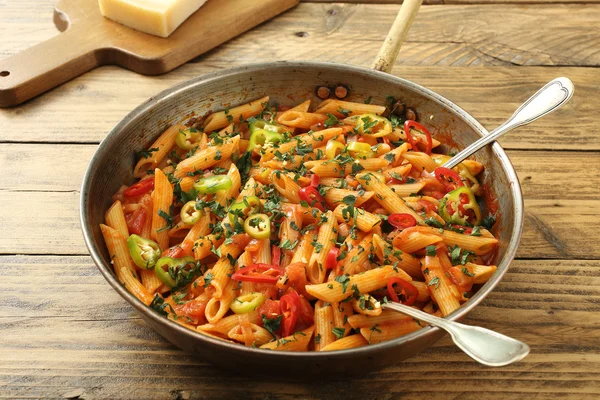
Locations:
156 17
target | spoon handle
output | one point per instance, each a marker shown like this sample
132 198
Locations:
483 345
547 99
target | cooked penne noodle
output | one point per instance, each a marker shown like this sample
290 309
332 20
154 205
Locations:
335 196
116 219
135 287
221 119
332 169
161 212
157 151
349 342
299 341
299 119
377 334
365 282
332 106
386 196
323 325
325 241
442 290
118 251
207 158
364 220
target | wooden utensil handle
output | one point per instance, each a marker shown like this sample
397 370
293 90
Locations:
46 65
395 37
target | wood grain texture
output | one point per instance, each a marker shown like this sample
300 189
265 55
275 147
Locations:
103 97
492 34
95 345
67 334
559 223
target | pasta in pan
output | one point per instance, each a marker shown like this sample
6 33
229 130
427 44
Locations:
286 229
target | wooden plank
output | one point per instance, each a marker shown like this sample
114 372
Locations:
553 228
457 35
94 344
542 174
559 223
85 109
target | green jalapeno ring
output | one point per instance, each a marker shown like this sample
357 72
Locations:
261 124
262 136
144 252
248 302
452 199
189 214
250 205
166 269
258 226
186 139
213 184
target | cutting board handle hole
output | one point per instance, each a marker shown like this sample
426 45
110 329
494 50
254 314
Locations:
4 73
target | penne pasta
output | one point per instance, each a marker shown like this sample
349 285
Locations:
260 210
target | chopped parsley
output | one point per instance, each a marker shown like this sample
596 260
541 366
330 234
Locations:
344 280
338 332
434 282
147 153
431 250
208 279
272 324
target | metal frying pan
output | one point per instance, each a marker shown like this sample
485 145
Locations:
290 83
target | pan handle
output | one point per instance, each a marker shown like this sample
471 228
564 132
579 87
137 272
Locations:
391 46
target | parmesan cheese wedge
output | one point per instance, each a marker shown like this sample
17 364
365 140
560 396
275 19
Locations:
156 17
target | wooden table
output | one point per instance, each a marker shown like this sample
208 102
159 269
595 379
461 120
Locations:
66 334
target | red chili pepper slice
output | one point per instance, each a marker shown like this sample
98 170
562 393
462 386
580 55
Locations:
414 124
442 174
276 250
331 260
408 290
140 188
260 273
402 221
290 304
311 195
314 180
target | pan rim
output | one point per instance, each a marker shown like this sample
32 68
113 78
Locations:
111 139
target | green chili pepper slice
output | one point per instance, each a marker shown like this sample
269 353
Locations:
460 207
241 210
167 269
262 136
260 124
213 184
258 226
187 139
144 252
248 302
189 214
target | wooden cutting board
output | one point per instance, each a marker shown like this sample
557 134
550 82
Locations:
89 40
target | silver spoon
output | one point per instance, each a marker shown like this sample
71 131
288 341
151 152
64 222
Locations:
547 99
483 345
